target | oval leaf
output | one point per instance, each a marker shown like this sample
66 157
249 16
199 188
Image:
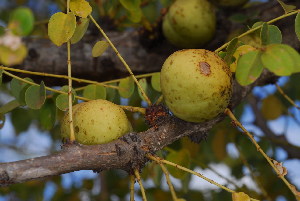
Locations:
80 30
111 93
61 27
18 89
35 96
126 87
264 34
9 106
275 36
11 57
62 100
80 8
230 50
155 81
47 115
144 85
99 48
182 158
241 196
297 25
21 21
249 68
278 59
93 92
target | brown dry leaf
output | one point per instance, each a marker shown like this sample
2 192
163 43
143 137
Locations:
281 169
240 196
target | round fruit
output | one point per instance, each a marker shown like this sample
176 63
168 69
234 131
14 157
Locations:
239 52
196 84
231 3
189 23
96 122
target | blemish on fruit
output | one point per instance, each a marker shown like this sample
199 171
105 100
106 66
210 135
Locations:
205 68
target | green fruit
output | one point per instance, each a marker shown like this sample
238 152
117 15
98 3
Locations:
189 23
196 84
96 122
230 3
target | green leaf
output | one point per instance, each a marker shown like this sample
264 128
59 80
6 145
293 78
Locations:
61 27
297 25
155 81
93 92
135 11
2 30
99 48
264 34
275 36
111 93
287 8
249 68
144 85
47 115
9 106
80 8
21 21
281 59
62 100
231 48
80 30
35 96
126 87
10 57
16 115
18 89
181 157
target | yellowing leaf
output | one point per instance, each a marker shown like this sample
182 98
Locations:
238 53
272 108
80 30
280 168
99 48
241 196
11 57
80 8
61 27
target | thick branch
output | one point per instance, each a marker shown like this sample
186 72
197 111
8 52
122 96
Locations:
125 153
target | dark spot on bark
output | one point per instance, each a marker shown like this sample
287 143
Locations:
205 68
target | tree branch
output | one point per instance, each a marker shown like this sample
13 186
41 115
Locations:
126 153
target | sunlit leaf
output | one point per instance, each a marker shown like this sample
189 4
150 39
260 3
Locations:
21 21
80 30
181 157
155 81
272 108
80 8
62 100
241 196
11 57
18 89
93 91
126 87
297 25
249 68
281 59
144 85
9 106
47 114
230 50
287 8
99 48
35 96
61 27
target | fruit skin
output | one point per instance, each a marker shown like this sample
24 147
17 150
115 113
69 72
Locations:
196 84
96 122
189 23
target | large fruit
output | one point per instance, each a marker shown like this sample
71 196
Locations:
189 23
196 84
96 122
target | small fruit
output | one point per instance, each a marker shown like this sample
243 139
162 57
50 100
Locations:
96 122
189 23
239 52
196 84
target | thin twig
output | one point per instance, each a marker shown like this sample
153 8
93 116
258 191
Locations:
132 181
286 96
137 176
171 187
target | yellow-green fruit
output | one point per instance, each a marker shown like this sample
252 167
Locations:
196 84
231 3
96 122
239 52
189 23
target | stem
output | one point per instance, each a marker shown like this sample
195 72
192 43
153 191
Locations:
286 96
122 60
57 76
256 28
167 174
137 175
132 180
237 123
